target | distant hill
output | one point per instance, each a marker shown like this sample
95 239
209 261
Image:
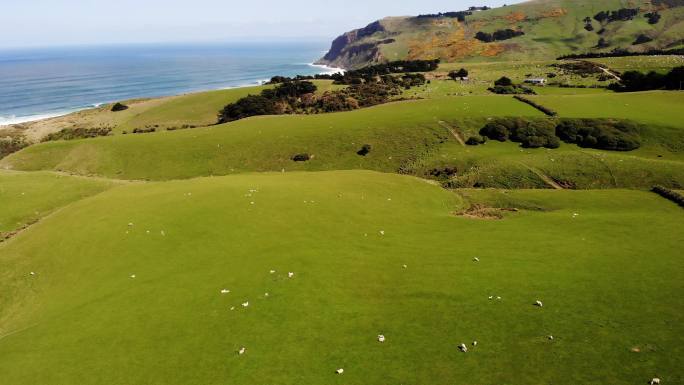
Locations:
538 29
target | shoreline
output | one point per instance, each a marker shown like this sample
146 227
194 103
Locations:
13 120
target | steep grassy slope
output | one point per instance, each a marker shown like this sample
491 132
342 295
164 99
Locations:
83 318
27 197
552 28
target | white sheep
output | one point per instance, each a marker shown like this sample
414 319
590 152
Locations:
476 259
272 271
382 232
32 273
242 351
132 275
381 338
405 266
463 348
474 343
225 291
339 371
551 338
245 304
655 381
538 303
290 274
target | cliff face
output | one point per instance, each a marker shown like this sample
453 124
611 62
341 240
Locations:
352 49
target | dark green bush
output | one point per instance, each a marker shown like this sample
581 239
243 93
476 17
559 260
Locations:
10 145
119 107
365 150
604 134
476 140
301 157
529 133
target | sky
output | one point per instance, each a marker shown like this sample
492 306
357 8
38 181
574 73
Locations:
36 23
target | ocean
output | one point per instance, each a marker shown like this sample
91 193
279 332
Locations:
42 83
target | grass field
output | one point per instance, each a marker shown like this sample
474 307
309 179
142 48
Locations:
27 197
83 319
398 133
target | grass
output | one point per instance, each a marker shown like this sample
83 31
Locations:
27 197
662 108
398 133
82 319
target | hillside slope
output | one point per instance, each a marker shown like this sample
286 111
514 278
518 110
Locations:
551 28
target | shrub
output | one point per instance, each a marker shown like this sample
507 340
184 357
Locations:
119 107
77 133
301 157
476 140
10 145
641 39
443 173
541 108
365 150
604 134
669 194
653 17
503 82
145 130
462 73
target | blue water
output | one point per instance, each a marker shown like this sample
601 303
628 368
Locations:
39 83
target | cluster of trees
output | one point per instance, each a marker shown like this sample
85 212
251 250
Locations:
604 134
669 194
602 43
622 14
299 96
77 133
460 15
587 24
10 145
529 133
545 110
653 17
620 52
367 73
505 86
502 34
637 81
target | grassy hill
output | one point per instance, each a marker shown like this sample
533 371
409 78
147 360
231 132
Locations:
412 137
84 318
551 28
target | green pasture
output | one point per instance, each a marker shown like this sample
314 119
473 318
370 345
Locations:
27 197
127 285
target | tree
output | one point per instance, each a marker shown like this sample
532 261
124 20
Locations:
251 105
462 73
503 82
119 107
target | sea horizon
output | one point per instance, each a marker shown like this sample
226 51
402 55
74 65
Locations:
48 82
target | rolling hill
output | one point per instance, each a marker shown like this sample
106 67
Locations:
550 28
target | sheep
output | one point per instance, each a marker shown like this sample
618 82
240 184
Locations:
382 232
381 338
232 308
491 297
266 294
290 275
476 259
272 271
551 338
474 343
538 303
405 266
498 298
242 351
655 381
463 348
32 273
245 304
225 291
132 275
339 371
